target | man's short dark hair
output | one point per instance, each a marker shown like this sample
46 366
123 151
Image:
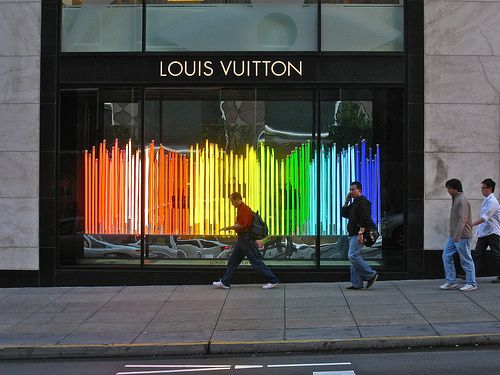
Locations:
357 184
454 184
489 183
236 195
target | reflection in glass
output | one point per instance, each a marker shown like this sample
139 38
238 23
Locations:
362 25
99 217
248 25
101 25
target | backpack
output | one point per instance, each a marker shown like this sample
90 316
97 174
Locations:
259 228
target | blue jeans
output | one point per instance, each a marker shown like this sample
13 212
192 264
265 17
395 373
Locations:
360 270
245 246
463 249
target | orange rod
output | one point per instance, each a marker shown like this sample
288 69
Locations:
94 192
186 195
176 194
86 193
111 189
161 189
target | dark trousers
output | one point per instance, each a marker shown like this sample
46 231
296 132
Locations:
493 241
245 246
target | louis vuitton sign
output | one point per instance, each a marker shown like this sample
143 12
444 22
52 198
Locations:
231 68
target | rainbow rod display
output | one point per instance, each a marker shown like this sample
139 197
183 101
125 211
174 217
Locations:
188 193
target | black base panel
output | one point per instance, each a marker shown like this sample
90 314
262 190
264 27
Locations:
80 277
14 278
433 265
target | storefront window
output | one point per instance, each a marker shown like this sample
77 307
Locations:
101 25
361 141
362 25
206 144
197 146
231 25
100 178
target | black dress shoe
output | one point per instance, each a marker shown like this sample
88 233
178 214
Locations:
496 281
371 281
352 287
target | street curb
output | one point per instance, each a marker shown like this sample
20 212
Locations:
233 347
102 350
374 343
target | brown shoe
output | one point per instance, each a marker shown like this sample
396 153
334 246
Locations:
496 281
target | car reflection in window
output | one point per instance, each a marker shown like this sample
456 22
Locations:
173 247
96 247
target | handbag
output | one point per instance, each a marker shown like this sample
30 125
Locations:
370 236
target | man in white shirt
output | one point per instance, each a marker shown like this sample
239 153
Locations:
488 232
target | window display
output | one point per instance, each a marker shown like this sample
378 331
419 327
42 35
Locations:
200 145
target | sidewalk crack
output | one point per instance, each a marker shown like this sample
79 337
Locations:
482 308
42 307
416 309
157 311
95 312
350 310
217 321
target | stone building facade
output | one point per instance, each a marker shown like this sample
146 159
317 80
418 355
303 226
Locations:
462 105
20 43
461 121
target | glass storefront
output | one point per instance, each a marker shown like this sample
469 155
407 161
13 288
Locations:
231 25
101 26
145 175
362 25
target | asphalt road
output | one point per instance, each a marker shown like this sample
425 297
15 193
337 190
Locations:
456 361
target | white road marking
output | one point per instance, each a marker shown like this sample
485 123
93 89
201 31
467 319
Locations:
334 373
177 366
242 367
172 371
311 364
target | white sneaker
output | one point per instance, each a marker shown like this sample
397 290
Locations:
468 288
447 286
220 285
269 286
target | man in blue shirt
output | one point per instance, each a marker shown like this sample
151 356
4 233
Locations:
488 232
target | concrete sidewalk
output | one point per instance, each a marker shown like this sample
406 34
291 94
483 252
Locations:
198 319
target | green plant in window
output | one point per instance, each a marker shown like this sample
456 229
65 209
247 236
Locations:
352 125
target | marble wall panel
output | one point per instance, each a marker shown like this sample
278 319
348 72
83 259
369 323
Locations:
469 168
14 39
20 79
462 28
19 177
461 79
19 127
462 111
19 258
437 221
462 128
18 222
20 40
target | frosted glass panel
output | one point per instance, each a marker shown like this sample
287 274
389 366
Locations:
101 26
256 25
362 27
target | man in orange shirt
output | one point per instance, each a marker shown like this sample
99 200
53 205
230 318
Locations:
245 246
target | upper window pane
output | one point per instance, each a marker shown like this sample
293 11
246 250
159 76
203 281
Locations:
362 25
101 25
231 25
